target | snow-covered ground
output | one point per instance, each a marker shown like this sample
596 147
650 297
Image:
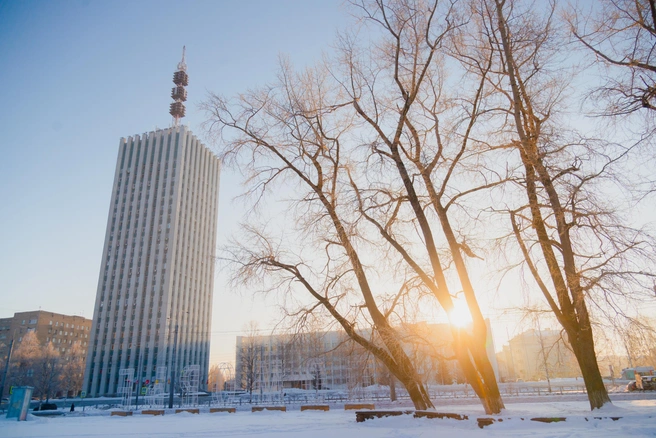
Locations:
638 420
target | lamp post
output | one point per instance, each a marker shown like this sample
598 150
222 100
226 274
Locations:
172 387
4 376
139 374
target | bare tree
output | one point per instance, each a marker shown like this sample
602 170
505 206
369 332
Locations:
428 146
248 359
621 34
36 365
24 360
312 342
47 372
286 351
431 348
387 378
359 362
569 306
216 379
368 132
72 373
569 235
544 353
444 375
316 371
638 337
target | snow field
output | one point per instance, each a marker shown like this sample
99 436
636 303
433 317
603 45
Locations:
638 420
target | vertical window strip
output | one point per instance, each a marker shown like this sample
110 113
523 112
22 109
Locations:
124 146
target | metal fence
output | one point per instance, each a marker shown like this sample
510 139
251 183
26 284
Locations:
377 394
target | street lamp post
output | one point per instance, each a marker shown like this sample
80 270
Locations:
4 376
172 387
139 374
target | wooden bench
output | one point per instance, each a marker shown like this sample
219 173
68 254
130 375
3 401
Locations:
152 412
482 422
190 410
269 408
315 408
433 414
486 421
352 406
230 410
549 419
121 413
361 416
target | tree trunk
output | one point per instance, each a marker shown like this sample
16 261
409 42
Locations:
393 355
491 397
479 374
417 394
402 367
571 310
479 370
583 346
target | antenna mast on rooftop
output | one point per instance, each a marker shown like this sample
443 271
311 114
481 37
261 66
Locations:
179 92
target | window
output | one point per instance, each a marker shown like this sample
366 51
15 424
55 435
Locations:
32 321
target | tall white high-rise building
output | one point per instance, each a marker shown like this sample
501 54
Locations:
156 275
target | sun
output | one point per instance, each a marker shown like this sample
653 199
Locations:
460 316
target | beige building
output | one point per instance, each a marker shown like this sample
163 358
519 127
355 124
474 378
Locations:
330 360
537 355
63 331
431 347
319 360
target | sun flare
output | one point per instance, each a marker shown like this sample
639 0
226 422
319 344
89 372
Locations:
459 316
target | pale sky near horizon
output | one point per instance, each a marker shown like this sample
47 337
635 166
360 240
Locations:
77 76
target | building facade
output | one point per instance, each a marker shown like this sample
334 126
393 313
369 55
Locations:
318 360
156 276
63 331
538 355
330 360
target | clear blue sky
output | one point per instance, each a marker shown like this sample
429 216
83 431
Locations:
77 76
